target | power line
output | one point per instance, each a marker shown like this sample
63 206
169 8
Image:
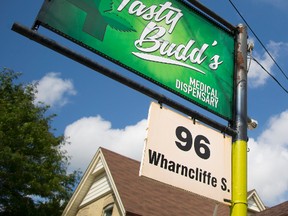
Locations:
259 40
270 74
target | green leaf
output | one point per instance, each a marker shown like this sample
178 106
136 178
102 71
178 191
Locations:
105 5
118 23
31 161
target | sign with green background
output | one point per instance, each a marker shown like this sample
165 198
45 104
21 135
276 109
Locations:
166 42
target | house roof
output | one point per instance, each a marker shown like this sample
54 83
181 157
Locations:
254 202
278 210
146 197
141 196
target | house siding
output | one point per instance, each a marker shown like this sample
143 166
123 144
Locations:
98 189
96 208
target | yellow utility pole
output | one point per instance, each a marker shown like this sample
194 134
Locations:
239 148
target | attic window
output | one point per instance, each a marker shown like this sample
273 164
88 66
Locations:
108 210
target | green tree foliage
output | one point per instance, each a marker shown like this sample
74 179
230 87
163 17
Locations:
33 165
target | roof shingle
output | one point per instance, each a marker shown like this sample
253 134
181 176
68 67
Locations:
278 210
146 197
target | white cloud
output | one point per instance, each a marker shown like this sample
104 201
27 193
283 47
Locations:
268 158
88 134
53 90
256 75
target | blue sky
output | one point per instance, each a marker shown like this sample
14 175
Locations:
96 111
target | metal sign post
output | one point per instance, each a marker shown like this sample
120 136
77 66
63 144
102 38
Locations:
239 147
198 66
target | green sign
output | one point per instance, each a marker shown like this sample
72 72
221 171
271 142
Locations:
166 42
